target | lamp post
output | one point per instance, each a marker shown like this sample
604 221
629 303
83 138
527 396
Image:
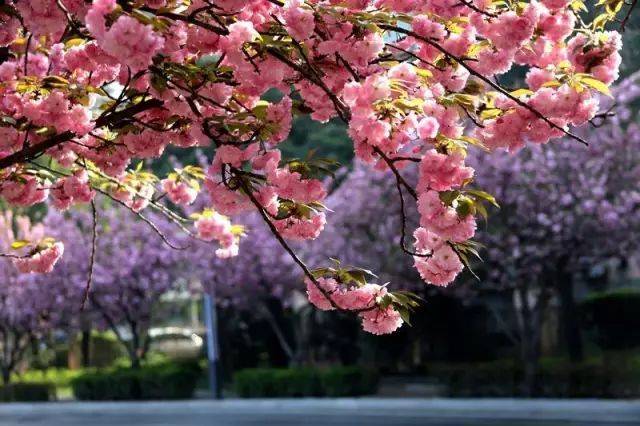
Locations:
213 352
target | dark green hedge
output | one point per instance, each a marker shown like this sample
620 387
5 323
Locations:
301 382
162 381
614 376
27 392
613 315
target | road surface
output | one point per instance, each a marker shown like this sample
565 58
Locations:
323 412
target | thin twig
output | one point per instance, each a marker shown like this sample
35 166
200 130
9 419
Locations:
396 172
488 81
26 54
14 256
305 269
403 217
625 20
92 257
475 8
122 203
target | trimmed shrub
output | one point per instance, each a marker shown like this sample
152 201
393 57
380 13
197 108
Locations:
305 382
27 392
614 317
161 381
348 381
280 382
616 375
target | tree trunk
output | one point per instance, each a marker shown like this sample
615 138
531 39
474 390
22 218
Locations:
569 320
6 375
277 330
528 344
134 350
530 363
302 325
135 362
530 309
85 348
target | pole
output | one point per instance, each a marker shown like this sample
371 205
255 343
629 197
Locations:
213 355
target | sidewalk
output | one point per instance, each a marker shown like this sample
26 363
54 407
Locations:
586 412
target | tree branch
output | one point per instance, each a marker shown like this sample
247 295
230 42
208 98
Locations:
33 151
488 81
92 257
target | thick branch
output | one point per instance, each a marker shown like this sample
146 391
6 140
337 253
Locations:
33 151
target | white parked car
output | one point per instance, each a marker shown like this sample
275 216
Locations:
176 342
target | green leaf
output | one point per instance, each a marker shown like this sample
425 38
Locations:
404 314
596 84
483 196
16 245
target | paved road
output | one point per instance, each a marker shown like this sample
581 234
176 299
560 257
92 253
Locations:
323 412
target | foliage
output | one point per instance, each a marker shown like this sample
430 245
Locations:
305 381
158 381
348 381
271 382
614 316
330 140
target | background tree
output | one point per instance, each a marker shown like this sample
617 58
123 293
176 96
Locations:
261 280
133 269
30 306
564 212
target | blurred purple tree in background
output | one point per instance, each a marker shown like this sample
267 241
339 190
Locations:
261 280
565 211
132 270
362 231
30 306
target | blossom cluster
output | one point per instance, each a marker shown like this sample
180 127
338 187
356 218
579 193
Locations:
98 85
327 294
566 209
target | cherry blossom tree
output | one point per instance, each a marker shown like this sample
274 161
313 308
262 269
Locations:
134 269
88 88
564 211
29 307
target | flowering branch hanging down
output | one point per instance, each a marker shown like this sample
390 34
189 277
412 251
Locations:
87 89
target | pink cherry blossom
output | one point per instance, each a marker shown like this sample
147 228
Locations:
87 89
441 172
179 192
381 321
441 268
41 262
